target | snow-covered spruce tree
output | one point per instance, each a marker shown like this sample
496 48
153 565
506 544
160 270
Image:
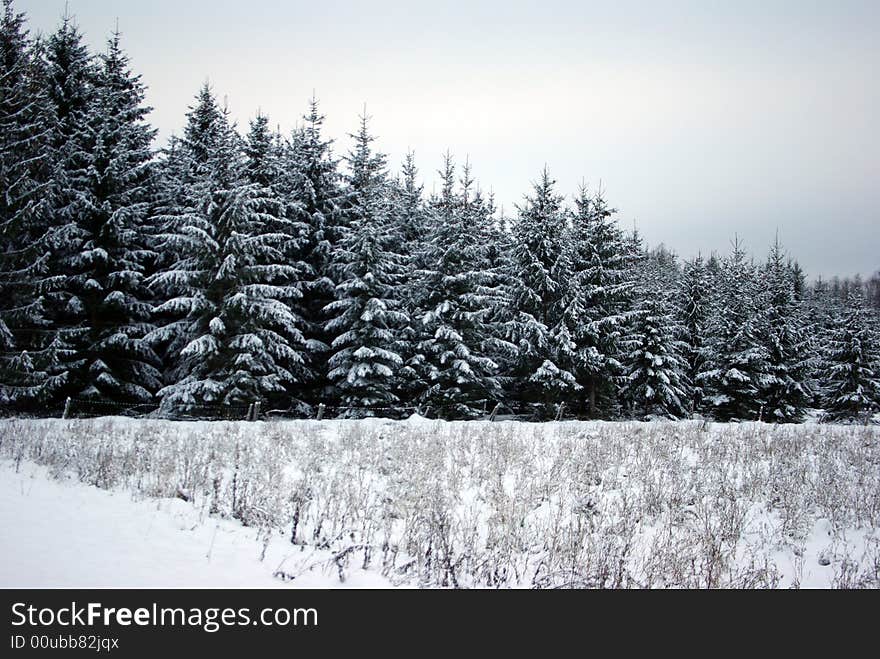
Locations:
71 74
787 393
411 225
185 233
656 381
496 329
25 130
694 306
408 203
112 184
605 277
642 270
873 291
657 268
315 188
542 307
556 378
822 310
263 164
231 333
184 185
282 264
799 280
501 322
460 378
735 370
852 367
713 271
366 316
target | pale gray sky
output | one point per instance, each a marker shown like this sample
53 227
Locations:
701 119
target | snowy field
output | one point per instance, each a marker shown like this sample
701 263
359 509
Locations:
122 502
72 535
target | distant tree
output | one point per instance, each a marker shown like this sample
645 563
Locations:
657 268
787 392
873 290
735 371
694 308
656 373
799 280
853 367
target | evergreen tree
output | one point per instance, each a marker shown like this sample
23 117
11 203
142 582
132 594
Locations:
366 315
694 293
230 330
853 367
408 205
285 235
799 281
107 274
656 268
735 371
263 156
191 171
603 266
71 78
316 190
821 310
873 291
26 341
497 329
541 304
656 381
786 393
460 378
502 321
411 226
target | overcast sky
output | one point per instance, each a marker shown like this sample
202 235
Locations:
700 119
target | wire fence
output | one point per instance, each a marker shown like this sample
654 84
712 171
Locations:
85 408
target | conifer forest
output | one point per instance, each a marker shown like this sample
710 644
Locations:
236 266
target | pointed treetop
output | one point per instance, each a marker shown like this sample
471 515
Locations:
367 165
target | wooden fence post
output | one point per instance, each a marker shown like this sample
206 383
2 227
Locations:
256 413
66 413
495 412
321 409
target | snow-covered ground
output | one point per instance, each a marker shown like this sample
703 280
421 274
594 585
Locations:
62 533
121 502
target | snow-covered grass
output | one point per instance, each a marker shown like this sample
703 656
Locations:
433 504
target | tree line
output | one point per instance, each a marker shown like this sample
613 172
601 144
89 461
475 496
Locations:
230 267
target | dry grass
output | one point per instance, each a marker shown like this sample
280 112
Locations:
508 504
